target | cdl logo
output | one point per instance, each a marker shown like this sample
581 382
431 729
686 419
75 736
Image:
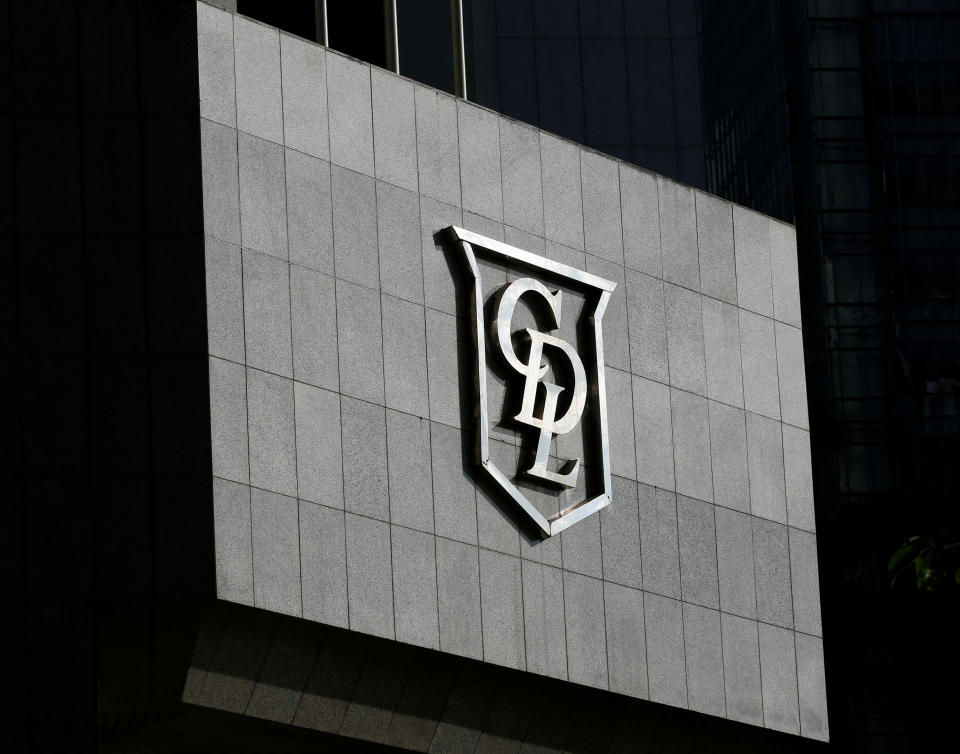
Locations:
553 385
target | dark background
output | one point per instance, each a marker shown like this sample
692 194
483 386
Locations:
842 116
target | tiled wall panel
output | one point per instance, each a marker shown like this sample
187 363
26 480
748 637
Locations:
345 489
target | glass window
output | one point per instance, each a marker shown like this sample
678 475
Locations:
357 28
425 33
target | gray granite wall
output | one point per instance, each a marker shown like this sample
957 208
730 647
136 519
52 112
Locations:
341 490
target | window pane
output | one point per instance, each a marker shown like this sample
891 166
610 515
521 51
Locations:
426 42
356 27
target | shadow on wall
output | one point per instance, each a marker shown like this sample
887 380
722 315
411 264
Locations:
294 672
108 541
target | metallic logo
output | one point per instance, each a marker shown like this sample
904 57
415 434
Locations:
583 389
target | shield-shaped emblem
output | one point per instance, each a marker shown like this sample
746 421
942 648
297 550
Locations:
551 374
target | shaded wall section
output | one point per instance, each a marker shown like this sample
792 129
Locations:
291 672
106 541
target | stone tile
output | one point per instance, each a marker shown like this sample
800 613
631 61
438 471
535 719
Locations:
313 311
356 255
648 327
224 300
257 63
443 370
778 678
496 514
438 151
415 587
811 685
602 231
480 161
369 576
458 586
276 552
377 691
728 449
309 212
571 445
359 342
765 463
665 655
543 621
798 477
231 691
584 617
273 460
718 267
698 553
414 720
221 186
678 234
409 466
404 356
741 669
470 698
337 668
231 533
784 272
653 427
691 445
398 236
735 563
266 313
620 535
443 266
323 564
319 462
640 206
228 420
394 129
364 439
721 342
704 660
620 412
501 601
263 211
752 244
284 673
562 201
805 582
771 554
616 338
520 169
215 63
658 541
792 378
491 229
581 546
685 339
454 499
350 114
304 73
626 642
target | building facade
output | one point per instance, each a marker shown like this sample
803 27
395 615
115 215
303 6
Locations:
253 511
339 417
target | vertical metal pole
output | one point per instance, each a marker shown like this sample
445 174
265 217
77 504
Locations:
459 57
320 16
390 33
